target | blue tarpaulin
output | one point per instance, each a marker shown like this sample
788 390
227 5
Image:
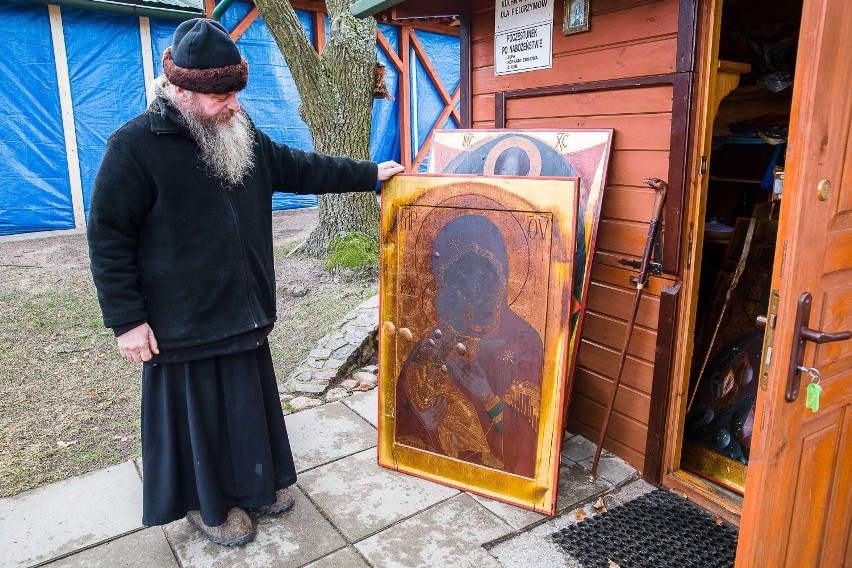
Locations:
384 137
104 58
107 81
426 102
35 191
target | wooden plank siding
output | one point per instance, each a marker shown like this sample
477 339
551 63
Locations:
628 38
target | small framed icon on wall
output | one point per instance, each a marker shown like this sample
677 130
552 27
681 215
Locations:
577 17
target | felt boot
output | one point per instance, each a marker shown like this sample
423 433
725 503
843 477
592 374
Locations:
237 528
283 502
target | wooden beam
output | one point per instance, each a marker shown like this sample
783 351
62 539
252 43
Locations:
426 26
430 69
147 58
687 42
308 5
591 86
66 107
388 49
244 24
687 33
209 6
405 97
427 144
454 111
418 159
673 210
319 31
652 471
465 67
500 109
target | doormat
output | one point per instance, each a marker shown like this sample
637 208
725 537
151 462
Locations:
658 529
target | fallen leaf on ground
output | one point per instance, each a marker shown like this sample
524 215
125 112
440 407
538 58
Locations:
612 564
599 505
62 444
580 514
718 520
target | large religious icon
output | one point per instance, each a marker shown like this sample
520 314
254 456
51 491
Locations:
475 323
573 152
727 358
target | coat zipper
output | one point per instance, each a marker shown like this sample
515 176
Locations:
243 253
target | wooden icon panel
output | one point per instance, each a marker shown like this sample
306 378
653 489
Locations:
475 323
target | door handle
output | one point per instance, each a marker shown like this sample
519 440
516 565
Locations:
801 334
823 337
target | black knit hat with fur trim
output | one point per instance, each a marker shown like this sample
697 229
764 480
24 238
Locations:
204 59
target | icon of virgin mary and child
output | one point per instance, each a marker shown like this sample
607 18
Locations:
471 387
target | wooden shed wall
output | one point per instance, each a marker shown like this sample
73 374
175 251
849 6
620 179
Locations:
628 38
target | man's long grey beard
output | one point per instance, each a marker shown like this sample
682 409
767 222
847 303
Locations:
225 146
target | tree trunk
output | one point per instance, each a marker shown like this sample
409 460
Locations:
337 103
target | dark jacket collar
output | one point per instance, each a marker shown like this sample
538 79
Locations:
166 119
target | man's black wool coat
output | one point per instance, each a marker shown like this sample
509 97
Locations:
171 245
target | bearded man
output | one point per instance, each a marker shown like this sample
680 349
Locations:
180 240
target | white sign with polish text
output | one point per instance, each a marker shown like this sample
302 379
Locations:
523 35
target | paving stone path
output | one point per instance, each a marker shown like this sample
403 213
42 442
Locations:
351 344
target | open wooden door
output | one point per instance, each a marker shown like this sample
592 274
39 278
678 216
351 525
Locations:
798 500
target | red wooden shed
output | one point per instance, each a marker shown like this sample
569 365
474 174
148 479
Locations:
721 99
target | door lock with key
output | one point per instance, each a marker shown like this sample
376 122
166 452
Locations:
801 334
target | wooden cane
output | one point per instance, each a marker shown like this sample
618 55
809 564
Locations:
660 187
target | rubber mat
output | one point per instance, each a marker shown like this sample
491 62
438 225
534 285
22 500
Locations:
658 529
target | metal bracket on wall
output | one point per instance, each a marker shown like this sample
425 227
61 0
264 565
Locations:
654 268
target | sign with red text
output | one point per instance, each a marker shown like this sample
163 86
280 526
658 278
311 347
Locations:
523 35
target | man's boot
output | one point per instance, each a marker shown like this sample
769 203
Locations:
283 502
237 528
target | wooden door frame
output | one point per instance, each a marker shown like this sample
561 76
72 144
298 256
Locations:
704 106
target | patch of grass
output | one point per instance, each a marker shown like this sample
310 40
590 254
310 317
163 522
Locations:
369 292
61 380
298 331
282 251
353 251
94 455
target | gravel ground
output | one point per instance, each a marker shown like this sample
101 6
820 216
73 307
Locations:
68 403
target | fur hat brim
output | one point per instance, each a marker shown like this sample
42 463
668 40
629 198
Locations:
217 80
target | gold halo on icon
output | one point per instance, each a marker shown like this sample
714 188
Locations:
524 144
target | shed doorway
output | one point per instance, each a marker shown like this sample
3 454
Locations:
734 220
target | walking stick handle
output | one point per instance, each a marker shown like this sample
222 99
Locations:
661 188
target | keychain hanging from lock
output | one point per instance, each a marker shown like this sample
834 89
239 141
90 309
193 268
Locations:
813 390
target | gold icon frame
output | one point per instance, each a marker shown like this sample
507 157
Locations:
536 219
